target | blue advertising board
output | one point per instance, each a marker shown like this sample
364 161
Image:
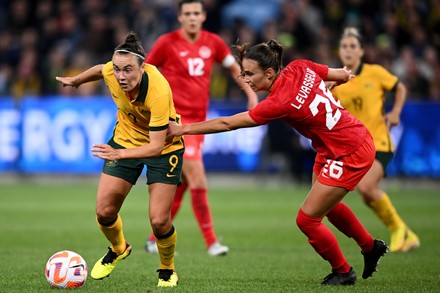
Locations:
57 134
10 135
54 135
418 152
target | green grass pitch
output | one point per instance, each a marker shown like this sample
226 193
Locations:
268 253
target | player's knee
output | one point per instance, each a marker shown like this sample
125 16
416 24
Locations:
197 179
198 183
306 223
158 224
366 191
106 216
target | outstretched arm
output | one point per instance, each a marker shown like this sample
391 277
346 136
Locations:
221 124
91 74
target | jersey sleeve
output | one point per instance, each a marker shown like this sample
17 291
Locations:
387 80
320 69
266 111
160 113
158 52
107 71
224 54
160 102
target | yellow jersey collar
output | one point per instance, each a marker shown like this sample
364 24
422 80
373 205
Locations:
143 90
359 70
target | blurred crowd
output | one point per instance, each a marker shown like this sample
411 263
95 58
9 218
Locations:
43 39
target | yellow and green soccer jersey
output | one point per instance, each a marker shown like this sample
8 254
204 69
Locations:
151 111
364 97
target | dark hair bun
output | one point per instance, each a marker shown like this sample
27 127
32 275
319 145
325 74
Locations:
132 45
275 46
132 38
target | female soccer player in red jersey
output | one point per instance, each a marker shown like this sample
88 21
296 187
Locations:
345 150
186 57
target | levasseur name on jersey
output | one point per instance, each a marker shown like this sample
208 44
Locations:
306 88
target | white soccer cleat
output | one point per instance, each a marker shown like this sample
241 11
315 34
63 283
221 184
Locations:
151 247
217 249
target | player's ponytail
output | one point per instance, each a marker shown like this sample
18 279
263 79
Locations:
277 49
267 55
132 45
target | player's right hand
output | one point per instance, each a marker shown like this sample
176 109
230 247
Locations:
174 129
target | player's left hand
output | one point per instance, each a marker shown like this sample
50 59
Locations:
106 152
347 75
392 119
68 81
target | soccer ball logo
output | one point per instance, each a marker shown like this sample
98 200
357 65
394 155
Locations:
66 269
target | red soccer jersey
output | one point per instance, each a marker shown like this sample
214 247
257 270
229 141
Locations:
187 67
300 98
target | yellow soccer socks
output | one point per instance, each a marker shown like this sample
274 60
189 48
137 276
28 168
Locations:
386 212
402 238
166 246
120 250
115 235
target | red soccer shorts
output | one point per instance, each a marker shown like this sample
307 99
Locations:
348 170
193 143
193 147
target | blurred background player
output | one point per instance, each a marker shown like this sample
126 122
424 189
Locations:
186 58
364 97
145 108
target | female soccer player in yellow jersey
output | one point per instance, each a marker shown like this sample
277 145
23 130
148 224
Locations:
364 97
145 108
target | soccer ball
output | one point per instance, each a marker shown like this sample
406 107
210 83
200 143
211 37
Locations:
66 269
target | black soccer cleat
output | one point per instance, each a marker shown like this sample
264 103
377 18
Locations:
167 278
340 278
371 259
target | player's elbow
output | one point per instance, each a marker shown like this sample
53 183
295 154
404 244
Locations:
401 88
157 154
226 125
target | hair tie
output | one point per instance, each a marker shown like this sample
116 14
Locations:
126 51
